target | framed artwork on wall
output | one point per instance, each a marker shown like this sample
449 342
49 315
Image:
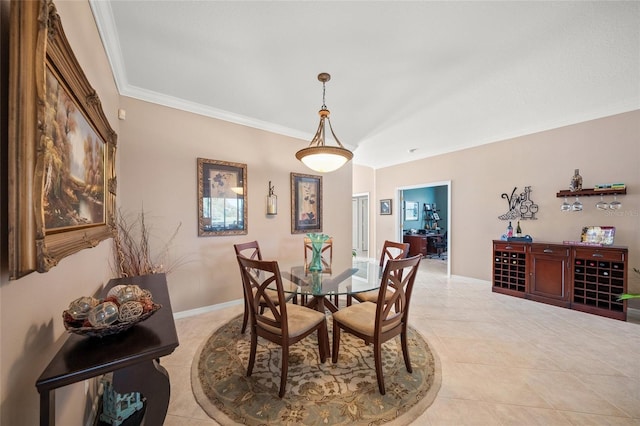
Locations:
222 198
385 206
306 203
62 183
411 210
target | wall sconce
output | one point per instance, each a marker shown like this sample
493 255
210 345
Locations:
272 202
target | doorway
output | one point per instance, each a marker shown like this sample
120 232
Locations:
360 224
426 212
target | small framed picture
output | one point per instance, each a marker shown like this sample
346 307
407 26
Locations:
306 203
436 216
411 210
385 206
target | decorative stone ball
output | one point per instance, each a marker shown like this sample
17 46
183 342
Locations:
128 293
114 290
130 311
79 308
105 313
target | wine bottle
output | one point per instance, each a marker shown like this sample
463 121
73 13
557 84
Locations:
509 230
518 230
576 181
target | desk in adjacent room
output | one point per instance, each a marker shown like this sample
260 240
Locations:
423 244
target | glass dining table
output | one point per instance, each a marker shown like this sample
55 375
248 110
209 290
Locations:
361 276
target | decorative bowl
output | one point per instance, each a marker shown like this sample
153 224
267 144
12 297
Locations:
102 321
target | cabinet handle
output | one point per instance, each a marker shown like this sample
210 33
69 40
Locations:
508 248
597 255
548 250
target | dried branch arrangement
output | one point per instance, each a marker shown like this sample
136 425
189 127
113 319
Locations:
132 250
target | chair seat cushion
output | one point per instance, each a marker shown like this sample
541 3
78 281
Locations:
371 296
360 317
300 320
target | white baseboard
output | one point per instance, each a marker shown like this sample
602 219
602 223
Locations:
205 309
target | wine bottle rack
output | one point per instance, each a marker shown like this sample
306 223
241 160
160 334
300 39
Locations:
510 269
598 281
584 278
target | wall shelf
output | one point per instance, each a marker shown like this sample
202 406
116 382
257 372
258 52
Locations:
590 192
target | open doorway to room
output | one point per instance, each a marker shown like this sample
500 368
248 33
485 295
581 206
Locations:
360 224
424 221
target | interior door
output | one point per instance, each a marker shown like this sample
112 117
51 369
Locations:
360 224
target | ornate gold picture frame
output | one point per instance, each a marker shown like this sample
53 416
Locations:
222 198
62 184
306 203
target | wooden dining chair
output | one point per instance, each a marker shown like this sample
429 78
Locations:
281 323
390 250
378 322
251 250
326 259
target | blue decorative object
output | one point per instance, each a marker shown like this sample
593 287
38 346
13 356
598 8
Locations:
317 241
116 408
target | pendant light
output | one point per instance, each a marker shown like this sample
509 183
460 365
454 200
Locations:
318 156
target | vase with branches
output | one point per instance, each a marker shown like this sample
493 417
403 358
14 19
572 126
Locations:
132 253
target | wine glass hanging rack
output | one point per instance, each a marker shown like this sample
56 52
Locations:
590 192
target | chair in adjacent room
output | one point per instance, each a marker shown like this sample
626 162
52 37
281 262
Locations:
251 250
390 250
441 247
281 323
379 322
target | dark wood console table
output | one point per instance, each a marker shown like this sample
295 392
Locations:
132 356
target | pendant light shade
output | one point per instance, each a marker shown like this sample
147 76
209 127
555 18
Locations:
318 156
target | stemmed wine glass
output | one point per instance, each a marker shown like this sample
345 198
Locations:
565 206
602 204
577 205
615 204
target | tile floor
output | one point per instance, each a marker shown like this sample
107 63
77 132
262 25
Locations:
505 360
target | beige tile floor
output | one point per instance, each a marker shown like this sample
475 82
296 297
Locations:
505 361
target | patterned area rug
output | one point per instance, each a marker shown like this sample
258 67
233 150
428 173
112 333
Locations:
316 394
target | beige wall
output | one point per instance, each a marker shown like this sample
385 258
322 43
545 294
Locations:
31 307
158 151
605 150
156 164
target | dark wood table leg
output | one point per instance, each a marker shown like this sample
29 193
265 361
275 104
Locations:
152 381
319 303
47 408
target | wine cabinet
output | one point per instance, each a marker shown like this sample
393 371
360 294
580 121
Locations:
599 278
584 278
510 268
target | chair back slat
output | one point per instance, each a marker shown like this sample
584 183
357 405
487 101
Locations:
393 306
249 250
258 275
393 250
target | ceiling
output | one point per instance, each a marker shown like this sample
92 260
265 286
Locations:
409 79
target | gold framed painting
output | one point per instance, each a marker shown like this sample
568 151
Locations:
62 184
222 198
306 203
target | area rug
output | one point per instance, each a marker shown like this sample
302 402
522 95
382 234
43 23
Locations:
316 394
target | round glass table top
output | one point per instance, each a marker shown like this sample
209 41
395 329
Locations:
360 277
